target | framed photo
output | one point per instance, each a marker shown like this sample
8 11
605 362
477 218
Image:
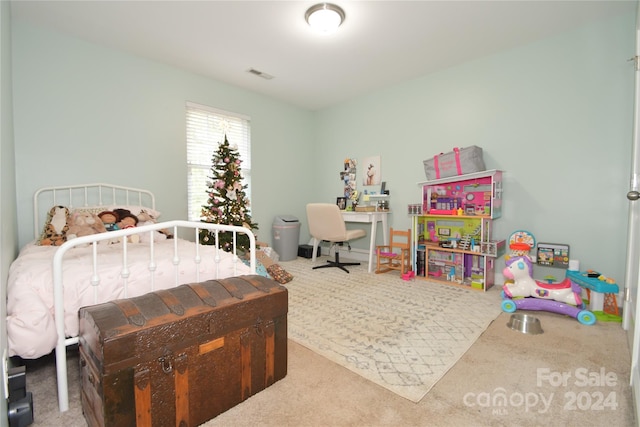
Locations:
341 202
372 174
444 231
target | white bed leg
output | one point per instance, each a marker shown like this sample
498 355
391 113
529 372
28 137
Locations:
61 369
58 292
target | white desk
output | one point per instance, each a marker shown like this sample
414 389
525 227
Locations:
373 218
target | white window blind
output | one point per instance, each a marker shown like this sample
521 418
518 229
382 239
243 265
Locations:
206 128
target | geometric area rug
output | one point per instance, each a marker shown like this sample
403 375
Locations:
402 335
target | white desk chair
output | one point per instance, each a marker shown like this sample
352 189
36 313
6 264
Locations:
326 223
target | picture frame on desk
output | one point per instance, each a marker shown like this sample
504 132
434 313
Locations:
341 202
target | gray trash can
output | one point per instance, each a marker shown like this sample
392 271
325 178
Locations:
286 236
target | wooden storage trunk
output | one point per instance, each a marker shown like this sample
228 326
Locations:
179 357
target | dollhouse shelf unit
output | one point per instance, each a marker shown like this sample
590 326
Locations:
452 231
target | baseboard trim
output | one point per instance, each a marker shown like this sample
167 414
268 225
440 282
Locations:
354 253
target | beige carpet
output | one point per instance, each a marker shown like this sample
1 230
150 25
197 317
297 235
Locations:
501 363
402 335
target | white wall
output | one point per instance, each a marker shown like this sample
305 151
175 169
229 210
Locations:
84 113
555 115
8 221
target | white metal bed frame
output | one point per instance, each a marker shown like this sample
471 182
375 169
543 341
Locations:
86 195
102 195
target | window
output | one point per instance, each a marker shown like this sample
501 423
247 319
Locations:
206 128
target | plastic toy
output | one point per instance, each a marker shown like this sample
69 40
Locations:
452 274
583 316
520 270
409 275
601 293
562 298
521 242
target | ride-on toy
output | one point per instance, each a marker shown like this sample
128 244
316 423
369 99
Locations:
526 293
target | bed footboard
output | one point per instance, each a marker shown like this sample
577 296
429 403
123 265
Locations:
184 229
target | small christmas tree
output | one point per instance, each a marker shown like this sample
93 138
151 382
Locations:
227 202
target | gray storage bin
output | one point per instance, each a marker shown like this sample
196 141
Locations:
286 236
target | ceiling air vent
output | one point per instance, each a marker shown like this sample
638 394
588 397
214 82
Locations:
259 73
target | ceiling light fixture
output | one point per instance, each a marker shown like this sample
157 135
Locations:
324 17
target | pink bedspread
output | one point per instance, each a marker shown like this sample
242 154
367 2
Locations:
30 304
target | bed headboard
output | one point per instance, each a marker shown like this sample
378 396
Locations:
86 195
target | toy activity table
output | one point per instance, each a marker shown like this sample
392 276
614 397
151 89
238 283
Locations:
602 294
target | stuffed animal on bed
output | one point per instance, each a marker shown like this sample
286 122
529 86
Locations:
110 220
145 218
128 220
55 229
83 223
119 219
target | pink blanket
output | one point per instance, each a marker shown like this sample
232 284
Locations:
30 303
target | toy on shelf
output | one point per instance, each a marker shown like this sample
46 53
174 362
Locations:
452 274
526 293
476 194
436 274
